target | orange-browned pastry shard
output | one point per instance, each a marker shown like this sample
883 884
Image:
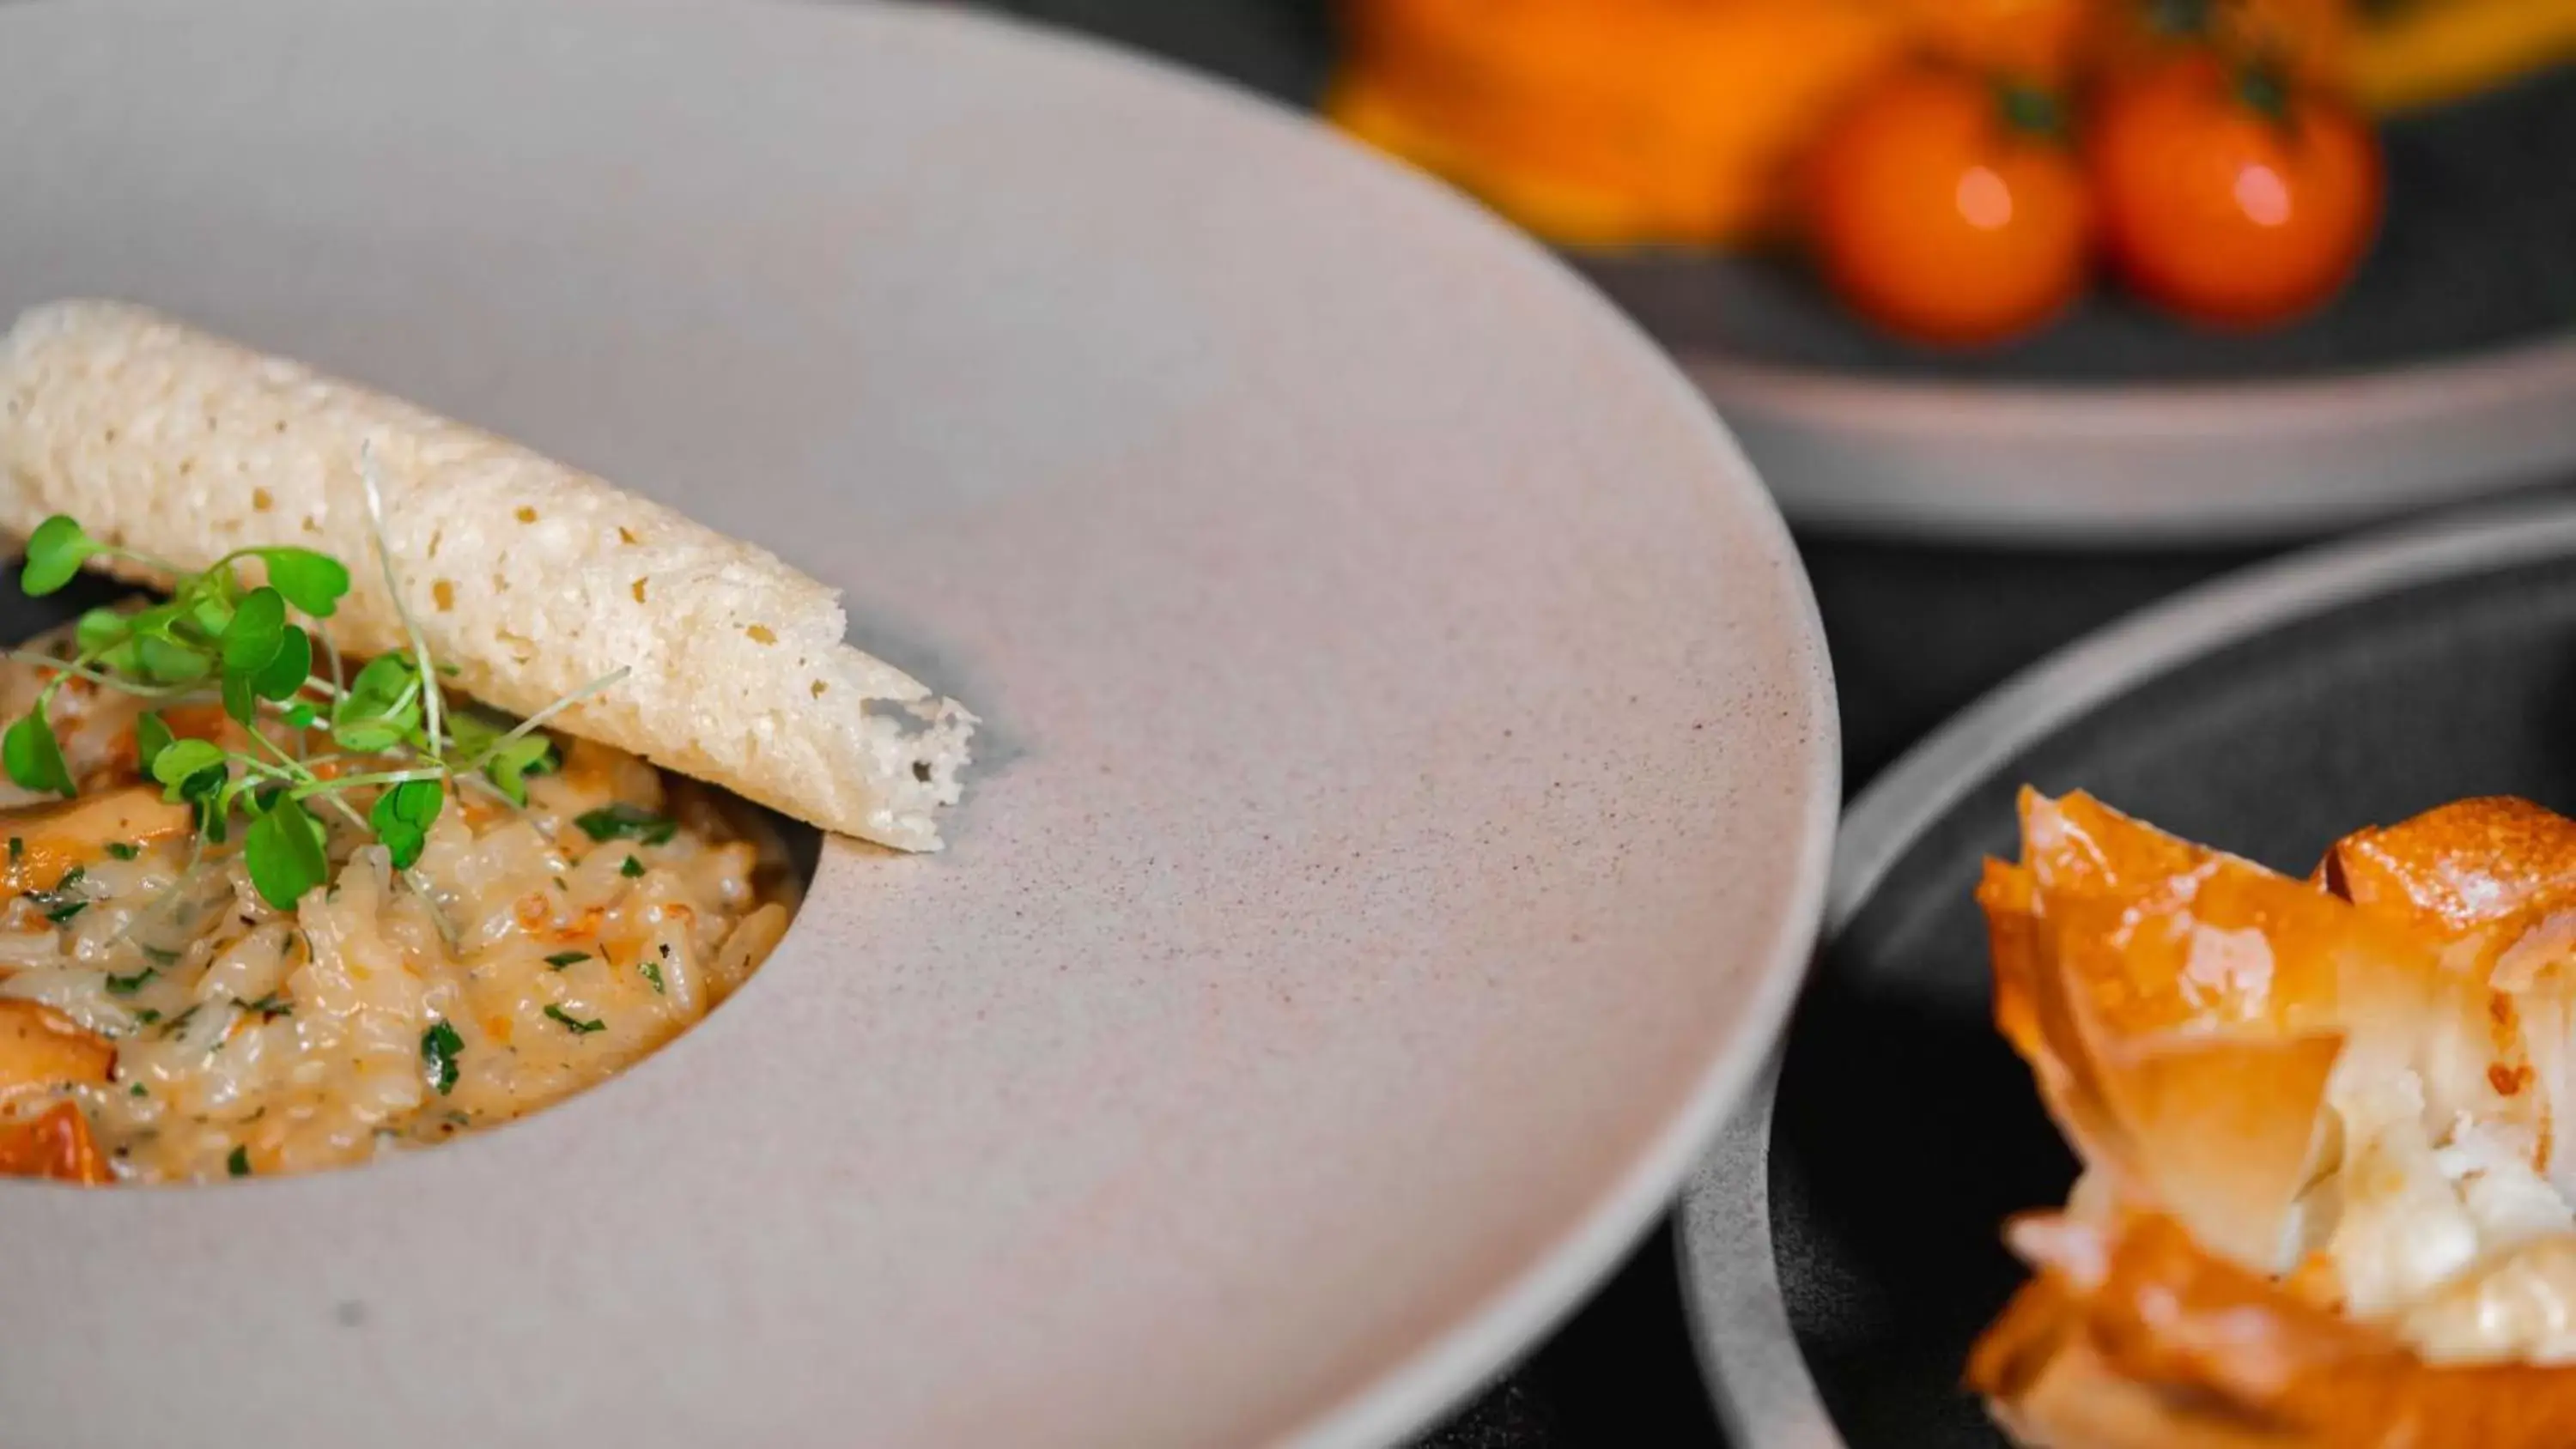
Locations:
2323 1199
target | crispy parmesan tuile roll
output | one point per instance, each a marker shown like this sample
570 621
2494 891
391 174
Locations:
2326 1200
531 579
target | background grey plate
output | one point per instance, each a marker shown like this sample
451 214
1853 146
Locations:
2448 369
1841 1247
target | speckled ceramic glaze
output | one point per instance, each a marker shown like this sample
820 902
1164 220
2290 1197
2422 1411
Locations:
1400 821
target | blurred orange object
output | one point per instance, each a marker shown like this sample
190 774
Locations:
2408 53
1949 208
2030 40
1612 122
2230 195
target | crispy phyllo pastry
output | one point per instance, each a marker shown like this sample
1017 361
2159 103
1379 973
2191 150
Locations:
2326 1190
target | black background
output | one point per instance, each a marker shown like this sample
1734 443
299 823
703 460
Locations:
1915 634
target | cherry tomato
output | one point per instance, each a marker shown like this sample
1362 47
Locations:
2229 196
1946 208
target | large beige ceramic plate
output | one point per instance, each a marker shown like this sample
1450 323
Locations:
1401 820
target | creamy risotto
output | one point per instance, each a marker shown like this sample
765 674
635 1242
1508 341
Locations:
162 1021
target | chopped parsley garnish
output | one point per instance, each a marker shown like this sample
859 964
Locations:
17 849
622 821
180 1021
159 957
60 904
128 985
578 1026
561 959
632 868
652 972
147 1016
270 1007
238 1164
440 1046
138 1090
123 851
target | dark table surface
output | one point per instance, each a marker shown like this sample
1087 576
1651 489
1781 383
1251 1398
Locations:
1915 635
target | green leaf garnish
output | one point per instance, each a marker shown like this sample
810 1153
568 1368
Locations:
256 633
313 582
64 912
402 817
577 1026
237 1164
32 756
385 682
282 678
55 552
128 985
440 1046
283 849
189 621
151 737
178 764
241 700
632 868
381 708
652 972
561 959
161 661
99 630
511 764
367 737
123 850
622 821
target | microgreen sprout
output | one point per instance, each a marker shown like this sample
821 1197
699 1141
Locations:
222 637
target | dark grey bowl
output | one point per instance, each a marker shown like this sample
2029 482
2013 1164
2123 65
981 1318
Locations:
1841 1249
